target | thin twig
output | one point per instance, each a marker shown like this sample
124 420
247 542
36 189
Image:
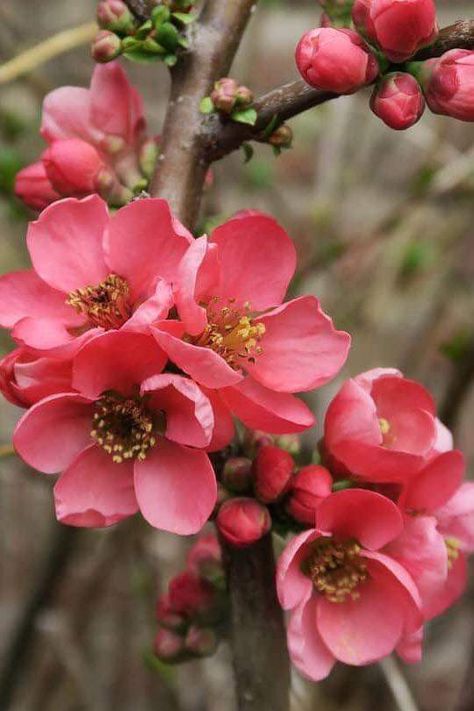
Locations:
398 685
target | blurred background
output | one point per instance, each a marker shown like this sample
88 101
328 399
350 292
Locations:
384 226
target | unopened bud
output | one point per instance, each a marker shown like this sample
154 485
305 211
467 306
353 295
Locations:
205 558
237 474
309 487
167 616
168 645
273 469
243 96
243 521
223 96
201 641
192 596
254 439
398 101
289 442
114 15
281 137
105 47
148 155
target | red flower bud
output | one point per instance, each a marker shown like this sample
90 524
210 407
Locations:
237 474
224 95
201 641
273 469
448 84
191 595
309 487
105 46
33 186
335 60
167 616
398 101
243 521
205 558
114 15
168 645
73 167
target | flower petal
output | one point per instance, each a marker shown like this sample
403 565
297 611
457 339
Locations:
223 432
197 273
66 115
307 650
393 394
293 587
153 309
455 585
456 517
436 483
115 105
42 334
410 647
23 294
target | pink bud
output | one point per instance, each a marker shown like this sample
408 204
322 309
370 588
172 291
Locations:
73 166
243 96
398 101
114 15
105 46
167 616
243 521
33 186
448 84
201 641
237 474
191 595
309 487
205 557
168 645
224 94
400 27
335 60
273 469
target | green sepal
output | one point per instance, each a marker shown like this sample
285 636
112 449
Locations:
248 116
186 18
170 60
206 106
168 36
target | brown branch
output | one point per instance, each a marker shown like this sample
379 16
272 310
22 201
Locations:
141 8
457 36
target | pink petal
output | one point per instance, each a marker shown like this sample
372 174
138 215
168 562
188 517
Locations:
370 518
367 378
301 348
38 378
263 409
116 360
189 414
42 334
411 431
393 394
307 650
456 583
376 463
54 431
410 647
144 242
33 186
153 309
202 364
24 294
197 272
176 488
436 483
95 492
293 587
351 416
257 260
224 431
66 115
456 517
444 438
65 243
115 106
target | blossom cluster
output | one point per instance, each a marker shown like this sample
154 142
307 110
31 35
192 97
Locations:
378 43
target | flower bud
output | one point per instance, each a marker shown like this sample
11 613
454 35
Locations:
448 83
114 15
335 60
289 442
33 186
224 95
237 474
254 439
243 521
167 616
105 47
309 487
399 27
192 596
243 96
73 166
398 101
205 558
201 641
168 645
148 156
273 468
281 137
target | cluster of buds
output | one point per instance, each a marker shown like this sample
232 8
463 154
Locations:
192 614
231 99
386 36
159 38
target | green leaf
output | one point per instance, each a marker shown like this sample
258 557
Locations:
184 17
137 55
168 36
206 106
159 15
248 150
271 126
144 30
248 116
183 42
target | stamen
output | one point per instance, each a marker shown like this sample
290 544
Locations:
123 428
452 548
387 435
106 305
335 568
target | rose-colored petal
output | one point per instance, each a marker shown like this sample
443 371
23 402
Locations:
176 488
197 272
370 518
307 650
263 409
65 243
144 242
54 431
40 377
94 491
189 414
293 587
436 483
66 115
411 431
455 586
301 348
115 105
367 378
24 294
444 438
224 431
456 517
257 260
410 647
33 186
153 309
393 394
42 333
376 463
351 415
116 360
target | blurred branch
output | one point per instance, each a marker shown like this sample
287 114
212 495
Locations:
44 51
294 98
398 685
458 388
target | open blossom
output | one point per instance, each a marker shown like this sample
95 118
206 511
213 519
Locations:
234 335
351 601
96 143
93 272
382 427
127 438
449 84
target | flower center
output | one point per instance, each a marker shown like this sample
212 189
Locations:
388 438
123 427
106 305
452 549
231 332
335 568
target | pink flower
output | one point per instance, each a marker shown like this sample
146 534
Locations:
399 27
242 521
128 438
236 337
398 101
335 60
26 377
273 469
96 137
382 427
309 487
93 272
350 601
449 84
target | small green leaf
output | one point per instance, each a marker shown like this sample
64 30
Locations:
168 36
137 55
248 150
170 60
248 116
144 30
271 126
183 42
206 106
184 17
159 15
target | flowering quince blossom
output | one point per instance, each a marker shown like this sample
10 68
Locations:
236 338
125 437
26 377
382 427
350 601
96 143
93 272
